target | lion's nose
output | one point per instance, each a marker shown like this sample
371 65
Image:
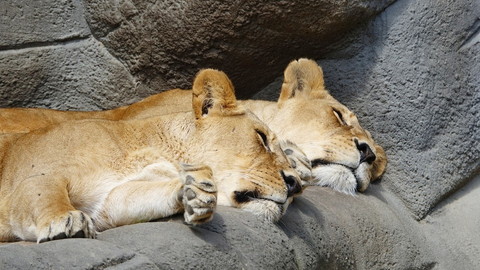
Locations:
366 153
293 184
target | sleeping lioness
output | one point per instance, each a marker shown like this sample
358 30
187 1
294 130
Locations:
78 177
342 154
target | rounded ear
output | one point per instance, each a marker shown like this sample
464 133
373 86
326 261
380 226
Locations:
213 92
380 163
303 77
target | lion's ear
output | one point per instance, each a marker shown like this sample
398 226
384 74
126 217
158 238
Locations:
303 77
213 93
380 163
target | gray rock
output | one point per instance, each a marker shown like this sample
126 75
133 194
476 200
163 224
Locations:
70 254
79 74
164 43
26 23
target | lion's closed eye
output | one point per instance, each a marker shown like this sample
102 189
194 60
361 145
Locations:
339 116
263 139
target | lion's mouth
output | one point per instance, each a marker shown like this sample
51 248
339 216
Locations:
268 208
249 195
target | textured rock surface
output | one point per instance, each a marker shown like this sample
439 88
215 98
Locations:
411 75
37 23
416 83
161 44
75 74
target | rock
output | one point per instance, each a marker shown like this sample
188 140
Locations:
71 254
79 74
26 23
165 43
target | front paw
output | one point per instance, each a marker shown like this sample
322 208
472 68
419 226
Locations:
199 194
299 161
73 224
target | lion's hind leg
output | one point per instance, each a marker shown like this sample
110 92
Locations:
41 211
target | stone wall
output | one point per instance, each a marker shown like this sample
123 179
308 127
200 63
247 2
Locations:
100 54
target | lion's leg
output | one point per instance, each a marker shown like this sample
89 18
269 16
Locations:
6 234
40 209
140 200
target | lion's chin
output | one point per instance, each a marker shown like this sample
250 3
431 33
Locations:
266 209
341 178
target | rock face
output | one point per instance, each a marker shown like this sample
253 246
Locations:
138 48
410 74
163 43
72 75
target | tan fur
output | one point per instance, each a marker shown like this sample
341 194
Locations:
76 177
327 131
304 114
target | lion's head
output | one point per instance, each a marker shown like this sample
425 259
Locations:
343 155
251 171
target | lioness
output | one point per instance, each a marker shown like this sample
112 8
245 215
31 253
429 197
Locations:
342 154
56 181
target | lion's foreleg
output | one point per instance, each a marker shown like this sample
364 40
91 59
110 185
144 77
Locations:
6 233
139 201
40 209
194 194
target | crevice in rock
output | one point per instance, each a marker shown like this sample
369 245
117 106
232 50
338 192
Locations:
473 37
113 262
32 45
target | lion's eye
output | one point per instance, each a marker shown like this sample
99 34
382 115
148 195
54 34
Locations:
263 138
339 116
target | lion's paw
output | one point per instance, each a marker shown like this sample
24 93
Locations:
299 161
74 224
199 196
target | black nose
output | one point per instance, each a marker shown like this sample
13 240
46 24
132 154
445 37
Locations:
366 153
293 185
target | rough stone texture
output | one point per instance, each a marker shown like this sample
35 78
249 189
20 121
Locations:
36 23
72 75
164 43
416 84
412 77
71 254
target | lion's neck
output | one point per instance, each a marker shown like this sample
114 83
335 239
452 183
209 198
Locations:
171 134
